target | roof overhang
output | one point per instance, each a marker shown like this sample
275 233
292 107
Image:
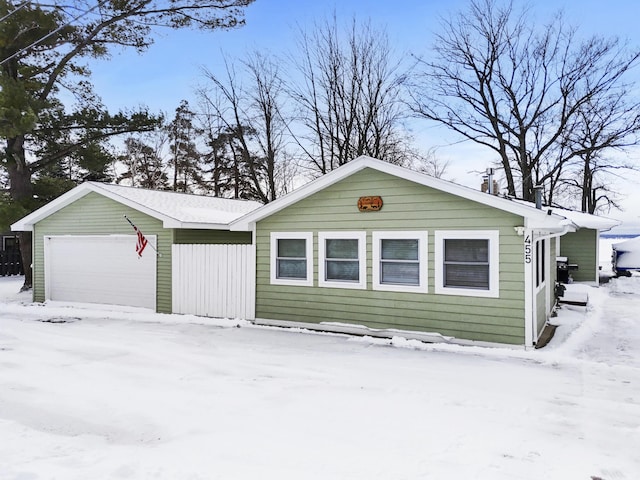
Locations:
26 224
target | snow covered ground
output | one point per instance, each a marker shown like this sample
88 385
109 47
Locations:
88 393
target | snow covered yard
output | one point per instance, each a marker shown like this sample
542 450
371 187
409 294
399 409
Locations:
112 394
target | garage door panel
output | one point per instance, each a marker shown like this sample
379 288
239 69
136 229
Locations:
100 269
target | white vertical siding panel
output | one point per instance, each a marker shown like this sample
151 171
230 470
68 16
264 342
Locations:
214 280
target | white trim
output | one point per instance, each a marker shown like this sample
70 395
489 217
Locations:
537 272
530 320
361 236
493 236
550 284
597 259
308 238
423 257
26 223
390 333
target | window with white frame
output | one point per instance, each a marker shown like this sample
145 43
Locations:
342 259
467 262
540 262
400 261
292 258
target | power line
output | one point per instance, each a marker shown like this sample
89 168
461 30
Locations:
41 39
18 8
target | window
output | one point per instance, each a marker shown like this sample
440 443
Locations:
540 262
467 263
400 261
292 258
342 259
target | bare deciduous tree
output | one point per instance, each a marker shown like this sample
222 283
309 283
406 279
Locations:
251 115
521 90
348 96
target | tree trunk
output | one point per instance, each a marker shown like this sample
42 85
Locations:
21 191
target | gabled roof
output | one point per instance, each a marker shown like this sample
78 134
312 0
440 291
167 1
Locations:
175 210
545 220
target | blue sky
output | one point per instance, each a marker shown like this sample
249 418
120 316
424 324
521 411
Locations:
171 69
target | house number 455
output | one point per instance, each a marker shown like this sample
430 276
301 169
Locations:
527 249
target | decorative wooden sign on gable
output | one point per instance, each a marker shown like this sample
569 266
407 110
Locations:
369 204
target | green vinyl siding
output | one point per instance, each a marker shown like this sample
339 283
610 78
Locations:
407 206
95 214
580 248
189 236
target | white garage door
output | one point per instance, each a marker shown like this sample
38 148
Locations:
100 269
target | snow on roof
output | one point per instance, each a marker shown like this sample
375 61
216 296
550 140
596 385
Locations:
175 210
579 219
632 244
183 207
587 220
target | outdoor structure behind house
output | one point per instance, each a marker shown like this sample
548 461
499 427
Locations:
10 260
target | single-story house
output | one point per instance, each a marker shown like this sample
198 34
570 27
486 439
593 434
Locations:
370 248
375 248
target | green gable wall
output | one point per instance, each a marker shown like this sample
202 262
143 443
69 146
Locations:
581 248
95 214
189 236
407 206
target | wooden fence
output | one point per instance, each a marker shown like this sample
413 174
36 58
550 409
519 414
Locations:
10 263
214 280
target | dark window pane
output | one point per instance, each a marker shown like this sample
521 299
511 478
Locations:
399 249
291 269
342 270
292 247
466 250
341 248
467 276
400 273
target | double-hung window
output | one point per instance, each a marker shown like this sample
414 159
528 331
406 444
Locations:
342 259
400 261
292 258
467 263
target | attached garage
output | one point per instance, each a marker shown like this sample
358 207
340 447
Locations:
99 269
84 249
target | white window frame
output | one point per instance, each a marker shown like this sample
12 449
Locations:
308 237
361 236
423 257
493 236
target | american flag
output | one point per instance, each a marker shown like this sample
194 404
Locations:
141 243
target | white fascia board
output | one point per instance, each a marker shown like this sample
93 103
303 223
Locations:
360 163
195 225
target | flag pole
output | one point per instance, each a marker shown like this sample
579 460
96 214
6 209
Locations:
138 230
